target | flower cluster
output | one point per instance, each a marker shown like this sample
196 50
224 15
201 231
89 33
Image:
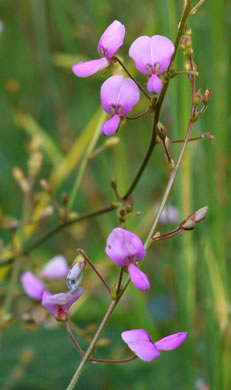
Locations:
58 304
152 57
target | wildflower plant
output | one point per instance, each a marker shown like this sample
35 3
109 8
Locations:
154 57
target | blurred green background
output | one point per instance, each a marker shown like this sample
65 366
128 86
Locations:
190 275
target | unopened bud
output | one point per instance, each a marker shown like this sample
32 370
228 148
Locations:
189 224
195 218
172 67
182 45
189 52
161 130
111 142
187 65
201 214
188 42
45 186
114 183
75 274
188 31
197 98
207 96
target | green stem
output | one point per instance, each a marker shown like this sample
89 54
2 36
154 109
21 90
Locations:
92 345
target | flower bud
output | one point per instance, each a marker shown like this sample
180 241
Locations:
197 98
161 131
75 274
65 198
172 67
188 31
207 96
188 42
201 214
187 65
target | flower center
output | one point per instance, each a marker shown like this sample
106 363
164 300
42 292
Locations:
116 110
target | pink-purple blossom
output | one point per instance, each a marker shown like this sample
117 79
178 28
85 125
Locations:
170 214
109 43
33 287
152 56
139 341
59 304
118 97
126 249
56 268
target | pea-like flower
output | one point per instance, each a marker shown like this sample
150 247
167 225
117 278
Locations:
59 304
139 341
109 43
152 56
118 97
126 249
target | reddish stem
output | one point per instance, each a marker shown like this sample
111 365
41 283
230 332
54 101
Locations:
95 270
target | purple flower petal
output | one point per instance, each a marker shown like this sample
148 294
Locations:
111 40
162 50
140 343
131 336
152 55
56 268
60 303
141 54
110 92
171 342
138 278
154 84
129 96
124 247
119 95
85 69
111 126
32 285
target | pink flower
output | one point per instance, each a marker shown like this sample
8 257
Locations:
109 43
170 214
56 268
139 341
59 304
126 249
118 97
152 56
32 286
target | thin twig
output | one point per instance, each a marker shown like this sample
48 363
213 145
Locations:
95 270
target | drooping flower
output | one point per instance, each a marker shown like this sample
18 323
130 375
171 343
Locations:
109 43
139 341
118 97
59 304
56 268
126 249
152 56
32 286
